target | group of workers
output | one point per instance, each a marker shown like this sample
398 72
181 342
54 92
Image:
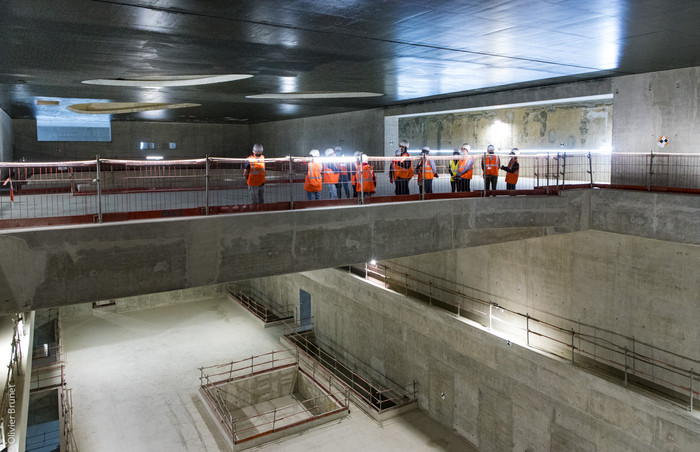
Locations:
337 175
461 170
340 174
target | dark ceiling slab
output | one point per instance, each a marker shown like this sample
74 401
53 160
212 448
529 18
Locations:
405 49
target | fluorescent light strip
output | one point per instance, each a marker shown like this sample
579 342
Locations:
568 100
168 81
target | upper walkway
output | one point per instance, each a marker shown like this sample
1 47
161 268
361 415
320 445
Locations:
54 266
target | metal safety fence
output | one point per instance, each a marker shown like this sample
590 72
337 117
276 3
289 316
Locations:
104 190
666 373
377 391
241 427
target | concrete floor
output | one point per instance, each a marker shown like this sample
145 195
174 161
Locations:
134 378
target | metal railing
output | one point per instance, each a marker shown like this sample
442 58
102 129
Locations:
665 372
105 190
243 428
259 306
380 396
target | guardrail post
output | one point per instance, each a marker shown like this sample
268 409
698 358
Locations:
563 171
651 170
251 364
483 175
625 365
573 347
590 167
490 316
547 173
274 419
691 389
206 185
362 184
99 189
422 191
527 329
291 184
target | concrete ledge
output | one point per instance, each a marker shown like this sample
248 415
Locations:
75 264
69 265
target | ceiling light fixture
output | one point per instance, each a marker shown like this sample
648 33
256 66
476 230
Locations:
47 102
315 95
112 108
168 81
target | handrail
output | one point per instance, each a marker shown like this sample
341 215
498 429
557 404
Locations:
232 424
44 193
383 271
363 386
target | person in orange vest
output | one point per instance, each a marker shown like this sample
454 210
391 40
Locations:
331 174
344 174
254 173
465 170
490 164
512 170
426 172
366 180
403 170
313 184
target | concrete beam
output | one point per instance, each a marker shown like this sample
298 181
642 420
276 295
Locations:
61 266
67 265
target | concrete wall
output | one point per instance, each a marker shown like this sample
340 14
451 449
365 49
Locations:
5 137
498 396
584 125
147 301
193 140
270 385
650 105
355 131
627 285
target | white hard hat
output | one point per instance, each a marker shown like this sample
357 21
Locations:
257 149
425 150
357 154
403 143
338 149
329 152
466 146
365 159
314 153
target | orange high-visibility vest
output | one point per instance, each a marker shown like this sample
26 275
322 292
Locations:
313 180
463 163
256 176
330 176
491 165
343 168
512 178
367 185
428 171
404 173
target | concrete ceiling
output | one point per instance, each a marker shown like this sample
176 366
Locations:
406 50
